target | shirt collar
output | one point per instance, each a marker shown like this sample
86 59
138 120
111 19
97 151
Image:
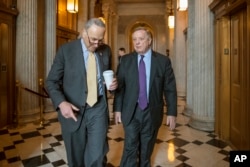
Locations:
147 54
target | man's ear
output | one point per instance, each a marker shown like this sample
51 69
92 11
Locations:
150 41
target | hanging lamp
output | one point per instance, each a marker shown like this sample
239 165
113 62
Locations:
171 18
182 5
72 6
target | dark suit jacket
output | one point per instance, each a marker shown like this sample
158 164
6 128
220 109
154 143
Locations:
162 82
67 80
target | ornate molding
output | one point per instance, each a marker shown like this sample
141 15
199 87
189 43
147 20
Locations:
222 8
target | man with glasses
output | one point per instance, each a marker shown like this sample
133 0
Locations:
84 117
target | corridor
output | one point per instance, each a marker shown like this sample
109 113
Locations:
31 145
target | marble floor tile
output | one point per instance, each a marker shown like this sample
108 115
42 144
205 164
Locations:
32 145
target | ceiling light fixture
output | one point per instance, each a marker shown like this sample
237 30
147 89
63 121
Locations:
72 6
171 17
182 5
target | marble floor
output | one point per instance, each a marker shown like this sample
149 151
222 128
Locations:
32 145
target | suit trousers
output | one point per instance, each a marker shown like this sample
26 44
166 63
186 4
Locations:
140 138
88 146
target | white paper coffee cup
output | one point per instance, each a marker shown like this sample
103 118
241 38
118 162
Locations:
108 77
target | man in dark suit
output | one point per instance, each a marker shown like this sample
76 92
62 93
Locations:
121 52
84 124
144 76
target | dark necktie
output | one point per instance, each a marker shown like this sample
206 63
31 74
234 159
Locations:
143 102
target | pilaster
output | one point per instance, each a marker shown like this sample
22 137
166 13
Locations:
201 67
50 41
26 59
190 49
180 52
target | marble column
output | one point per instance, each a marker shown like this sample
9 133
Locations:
50 41
190 52
201 67
180 54
26 59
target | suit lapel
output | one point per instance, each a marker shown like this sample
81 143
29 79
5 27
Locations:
83 70
153 69
134 69
81 67
98 55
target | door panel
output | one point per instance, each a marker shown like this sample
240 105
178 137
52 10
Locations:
7 65
4 40
238 77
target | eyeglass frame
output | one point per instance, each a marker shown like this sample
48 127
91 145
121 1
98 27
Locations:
99 41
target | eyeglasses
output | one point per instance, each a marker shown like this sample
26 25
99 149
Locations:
93 41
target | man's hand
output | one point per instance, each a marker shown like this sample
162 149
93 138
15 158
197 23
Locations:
113 85
117 116
68 110
171 121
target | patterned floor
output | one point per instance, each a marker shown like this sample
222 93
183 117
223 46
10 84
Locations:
33 145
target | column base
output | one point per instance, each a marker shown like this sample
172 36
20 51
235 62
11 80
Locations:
48 106
201 124
187 111
29 116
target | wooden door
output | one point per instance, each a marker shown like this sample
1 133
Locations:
7 65
3 73
238 122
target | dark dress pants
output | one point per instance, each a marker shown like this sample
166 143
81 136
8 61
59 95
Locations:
88 146
140 138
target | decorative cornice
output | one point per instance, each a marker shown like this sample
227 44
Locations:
222 8
12 11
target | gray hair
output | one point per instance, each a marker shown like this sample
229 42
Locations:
144 29
94 21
